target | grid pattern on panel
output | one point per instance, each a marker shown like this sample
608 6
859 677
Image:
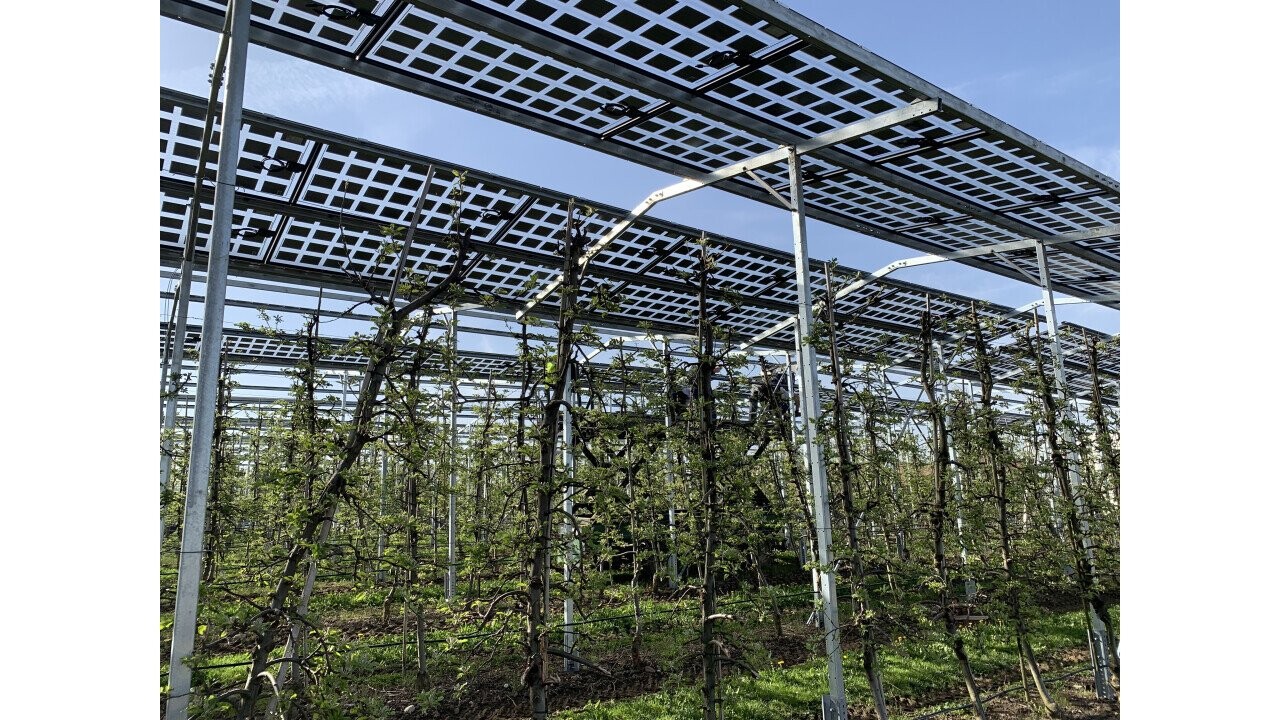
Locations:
251 229
334 29
812 92
173 220
693 140
726 55
1063 217
808 91
268 157
660 37
323 246
862 199
385 190
640 246
986 172
507 278
900 309
920 136
243 346
375 185
1067 269
748 321
659 306
864 341
1108 247
444 51
756 275
961 233
485 364
541 228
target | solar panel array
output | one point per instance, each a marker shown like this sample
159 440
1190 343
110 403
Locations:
255 353
314 204
693 86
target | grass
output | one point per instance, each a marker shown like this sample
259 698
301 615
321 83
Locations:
920 667
912 668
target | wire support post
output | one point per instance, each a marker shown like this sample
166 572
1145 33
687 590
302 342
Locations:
566 528
189 564
1099 642
176 335
811 412
451 577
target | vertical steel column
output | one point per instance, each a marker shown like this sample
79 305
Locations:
175 350
815 617
1099 644
802 547
189 562
451 578
346 380
811 411
566 528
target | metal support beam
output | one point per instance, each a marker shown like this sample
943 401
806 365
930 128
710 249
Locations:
767 129
190 561
815 617
811 411
491 22
897 265
451 577
1099 643
171 367
887 119
823 39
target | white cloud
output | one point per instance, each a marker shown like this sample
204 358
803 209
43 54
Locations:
283 86
1039 82
1104 158
287 86
988 83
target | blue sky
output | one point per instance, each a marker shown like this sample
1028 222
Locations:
1049 68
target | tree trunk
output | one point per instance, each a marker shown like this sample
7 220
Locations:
535 635
703 403
937 516
382 353
996 454
1101 427
847 469
1086 577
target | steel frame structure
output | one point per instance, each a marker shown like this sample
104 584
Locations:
693 86
296 227
706 89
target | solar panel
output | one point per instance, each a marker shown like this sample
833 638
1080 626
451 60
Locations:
690 87
320 216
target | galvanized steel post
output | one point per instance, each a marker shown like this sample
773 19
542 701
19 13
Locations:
189 562
451 578
175 344
1099 643
811 411
673 567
